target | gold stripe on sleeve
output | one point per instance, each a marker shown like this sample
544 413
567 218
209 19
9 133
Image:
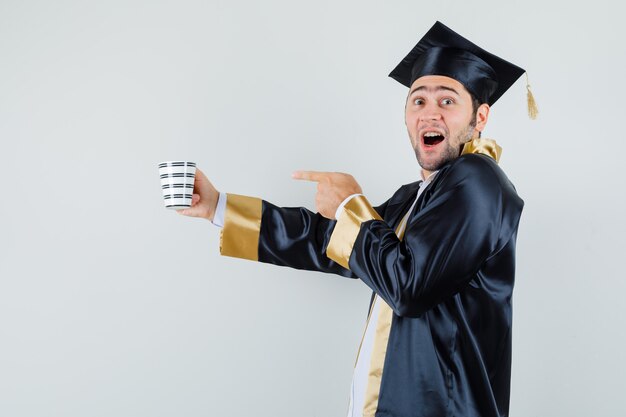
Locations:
355 212
242 226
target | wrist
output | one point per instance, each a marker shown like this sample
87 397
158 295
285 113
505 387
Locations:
212 208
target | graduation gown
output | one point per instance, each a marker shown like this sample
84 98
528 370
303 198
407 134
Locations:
448 283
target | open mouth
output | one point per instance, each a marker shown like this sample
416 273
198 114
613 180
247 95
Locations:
432 138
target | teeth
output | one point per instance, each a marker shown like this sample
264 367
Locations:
431 134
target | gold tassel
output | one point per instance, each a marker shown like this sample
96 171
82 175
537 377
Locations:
533 111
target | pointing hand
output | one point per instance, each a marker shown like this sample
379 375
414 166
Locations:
332 189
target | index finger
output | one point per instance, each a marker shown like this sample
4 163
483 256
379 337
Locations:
310 175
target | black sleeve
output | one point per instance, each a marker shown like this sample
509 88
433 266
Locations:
471 214
296 237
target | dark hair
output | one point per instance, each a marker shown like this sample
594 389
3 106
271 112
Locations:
475 105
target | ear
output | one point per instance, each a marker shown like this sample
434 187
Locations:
482 115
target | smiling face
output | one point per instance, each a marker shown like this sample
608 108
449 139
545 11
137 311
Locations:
440 118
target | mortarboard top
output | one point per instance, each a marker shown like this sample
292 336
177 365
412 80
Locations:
442 51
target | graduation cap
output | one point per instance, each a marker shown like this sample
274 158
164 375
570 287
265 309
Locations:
442 51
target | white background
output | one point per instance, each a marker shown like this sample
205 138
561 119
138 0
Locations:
111 305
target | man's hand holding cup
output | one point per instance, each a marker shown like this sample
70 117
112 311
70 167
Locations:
204 199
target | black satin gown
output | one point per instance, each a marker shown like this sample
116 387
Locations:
449 283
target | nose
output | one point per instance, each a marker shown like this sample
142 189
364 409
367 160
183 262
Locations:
430 112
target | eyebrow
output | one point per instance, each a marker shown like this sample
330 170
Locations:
438 88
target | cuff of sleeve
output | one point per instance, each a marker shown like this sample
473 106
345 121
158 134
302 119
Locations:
218 218
242 227
343 204
356 211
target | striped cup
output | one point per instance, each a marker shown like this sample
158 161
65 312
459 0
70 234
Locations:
177 179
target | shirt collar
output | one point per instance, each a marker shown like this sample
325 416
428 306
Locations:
428 179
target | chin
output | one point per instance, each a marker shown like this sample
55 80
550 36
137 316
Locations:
434 164
428 165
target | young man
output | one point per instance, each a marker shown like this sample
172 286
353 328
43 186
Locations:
439 255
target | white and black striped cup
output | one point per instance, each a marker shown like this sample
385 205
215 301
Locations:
177 179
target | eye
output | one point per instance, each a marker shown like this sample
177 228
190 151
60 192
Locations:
447 101
418 101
